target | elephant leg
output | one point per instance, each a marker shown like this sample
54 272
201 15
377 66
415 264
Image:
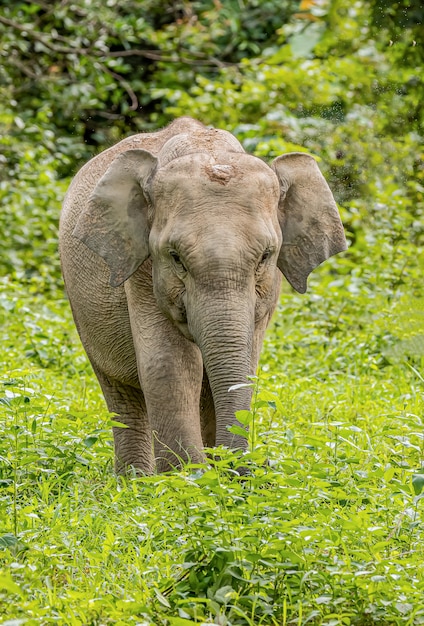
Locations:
132 442
171 381
170 370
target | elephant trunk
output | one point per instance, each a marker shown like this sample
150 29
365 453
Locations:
224 333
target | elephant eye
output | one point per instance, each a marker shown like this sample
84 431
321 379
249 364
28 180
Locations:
177 260
265 256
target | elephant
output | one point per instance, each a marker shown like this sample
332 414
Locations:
173 244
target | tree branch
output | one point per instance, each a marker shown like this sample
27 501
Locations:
125 85
154 55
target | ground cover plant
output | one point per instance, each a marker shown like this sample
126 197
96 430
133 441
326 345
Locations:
328 526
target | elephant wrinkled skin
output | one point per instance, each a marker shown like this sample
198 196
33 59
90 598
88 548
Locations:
172 246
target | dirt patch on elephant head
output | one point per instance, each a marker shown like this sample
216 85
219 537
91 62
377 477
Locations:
221 174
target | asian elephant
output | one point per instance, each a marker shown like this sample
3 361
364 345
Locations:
172 247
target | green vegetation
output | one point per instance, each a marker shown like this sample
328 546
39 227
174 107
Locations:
328 528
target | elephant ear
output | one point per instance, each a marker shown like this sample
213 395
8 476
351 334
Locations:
114 224
309 219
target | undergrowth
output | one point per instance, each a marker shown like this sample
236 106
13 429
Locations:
327 528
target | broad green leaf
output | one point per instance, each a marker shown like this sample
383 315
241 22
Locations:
418 483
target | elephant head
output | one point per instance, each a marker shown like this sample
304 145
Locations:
219 225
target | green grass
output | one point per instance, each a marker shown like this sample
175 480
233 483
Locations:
327 529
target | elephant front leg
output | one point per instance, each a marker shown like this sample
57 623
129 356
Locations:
132 441
170 370
171 378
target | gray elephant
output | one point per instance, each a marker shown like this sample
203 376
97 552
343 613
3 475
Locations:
172 246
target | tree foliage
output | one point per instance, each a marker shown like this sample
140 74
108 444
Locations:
94 70
97 64
321 76
340 80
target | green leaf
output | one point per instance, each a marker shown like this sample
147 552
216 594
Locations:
418 483
8 584
90 441
238 430
244 417
225 594
161 598
8 540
